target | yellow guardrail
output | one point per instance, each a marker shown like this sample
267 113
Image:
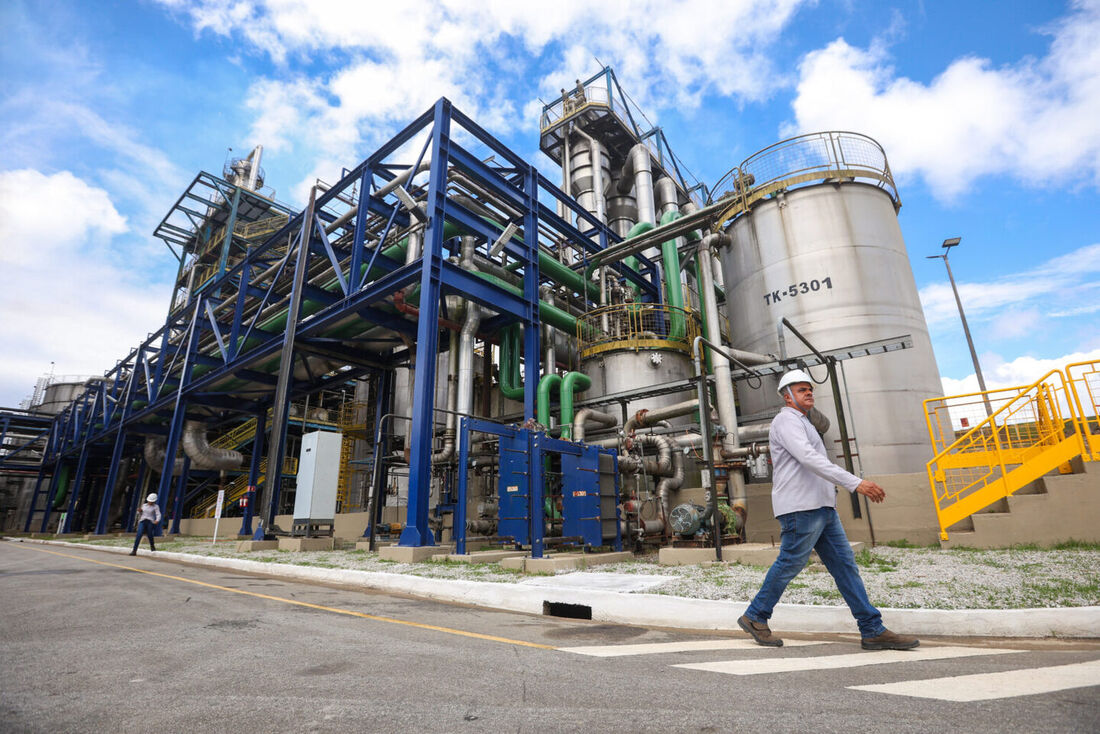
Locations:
1084 381
636 326
237 488
1018 435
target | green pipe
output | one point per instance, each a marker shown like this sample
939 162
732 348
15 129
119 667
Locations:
674 289
546 386
62 486
631 262
559 319
573 382
511 382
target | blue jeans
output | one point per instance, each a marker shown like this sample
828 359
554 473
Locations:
145 527
818 530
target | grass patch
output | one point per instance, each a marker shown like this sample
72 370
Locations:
906 585
831 594
1057 592
868 560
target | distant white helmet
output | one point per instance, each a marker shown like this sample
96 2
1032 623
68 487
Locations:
151 498
791 378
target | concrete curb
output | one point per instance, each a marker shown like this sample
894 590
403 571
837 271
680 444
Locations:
656 610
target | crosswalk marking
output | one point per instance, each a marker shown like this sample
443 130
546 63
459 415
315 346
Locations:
612 651
788 665
987 686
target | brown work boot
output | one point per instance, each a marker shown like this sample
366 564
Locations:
890 641
760 632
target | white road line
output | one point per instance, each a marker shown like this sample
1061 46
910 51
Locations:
987 686
613 651
760 666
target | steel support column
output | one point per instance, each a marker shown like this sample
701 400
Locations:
112 479
254 473
532 348
181 490
135 495
273 481
74 488
34 497
416 531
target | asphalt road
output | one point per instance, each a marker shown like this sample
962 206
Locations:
94 642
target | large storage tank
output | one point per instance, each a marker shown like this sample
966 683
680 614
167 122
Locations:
831 259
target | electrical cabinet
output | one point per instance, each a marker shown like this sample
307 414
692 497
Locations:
318 478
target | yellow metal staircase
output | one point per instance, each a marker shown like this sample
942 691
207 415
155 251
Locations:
1020 434
234 439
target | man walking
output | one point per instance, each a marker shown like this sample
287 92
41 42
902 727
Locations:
804 503
149 517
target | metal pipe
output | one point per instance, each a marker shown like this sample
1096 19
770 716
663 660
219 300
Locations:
467 338
448 451
205 456
154 451
601 419
550 356
644 418
671 482
638 172
723 383
667 196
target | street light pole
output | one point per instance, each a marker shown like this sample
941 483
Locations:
947 245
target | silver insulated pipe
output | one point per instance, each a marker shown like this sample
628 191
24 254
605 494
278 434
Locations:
205 456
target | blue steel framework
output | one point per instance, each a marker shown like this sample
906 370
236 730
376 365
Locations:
225 355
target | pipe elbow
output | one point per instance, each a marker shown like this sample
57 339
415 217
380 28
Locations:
205 456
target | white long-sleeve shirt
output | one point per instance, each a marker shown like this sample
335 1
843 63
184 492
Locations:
149 511
803 478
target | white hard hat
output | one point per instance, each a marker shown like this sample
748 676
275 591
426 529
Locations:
792 377
151 498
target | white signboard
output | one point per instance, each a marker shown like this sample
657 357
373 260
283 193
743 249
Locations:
218 514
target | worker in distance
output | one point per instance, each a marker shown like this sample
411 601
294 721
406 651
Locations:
804 502
149 518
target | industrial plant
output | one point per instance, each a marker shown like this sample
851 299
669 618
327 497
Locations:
449 351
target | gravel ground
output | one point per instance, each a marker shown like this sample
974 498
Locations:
925 578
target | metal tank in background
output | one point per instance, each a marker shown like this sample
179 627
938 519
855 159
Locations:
819 244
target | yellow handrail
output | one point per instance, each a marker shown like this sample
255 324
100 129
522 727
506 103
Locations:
1032 433
1084 385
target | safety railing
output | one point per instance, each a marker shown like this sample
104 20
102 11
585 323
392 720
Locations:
636 326
1025 433
239 486
1084 383
824 156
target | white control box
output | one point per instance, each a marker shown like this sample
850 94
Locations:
318 476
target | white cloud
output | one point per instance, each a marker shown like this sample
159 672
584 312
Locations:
1046 291
1034 119
65 290
391 61
30 229
1018 372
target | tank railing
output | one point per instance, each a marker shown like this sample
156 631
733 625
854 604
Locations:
805 159
1038 430
636 326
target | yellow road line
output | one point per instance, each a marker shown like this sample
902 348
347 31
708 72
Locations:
334 610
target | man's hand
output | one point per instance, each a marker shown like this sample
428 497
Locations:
871 491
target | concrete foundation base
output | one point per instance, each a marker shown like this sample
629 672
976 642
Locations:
481 556
411 554
747 554
305 544
364 545
563 561
244 546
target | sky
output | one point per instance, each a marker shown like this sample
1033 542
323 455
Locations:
988 112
